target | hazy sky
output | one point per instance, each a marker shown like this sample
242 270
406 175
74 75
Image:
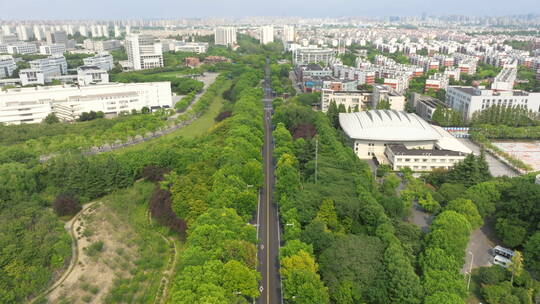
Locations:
112 9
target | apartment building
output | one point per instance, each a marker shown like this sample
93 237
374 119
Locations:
425 105
225 36
266 34
468 100
353 100
144 52
288 33
103 60
383 93
68 102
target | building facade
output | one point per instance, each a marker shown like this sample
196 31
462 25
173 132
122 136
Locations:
68 102
468 100
7 66
267 34
103 60
225 36
144 52
52 49
307 55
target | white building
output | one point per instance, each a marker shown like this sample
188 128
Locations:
102 45
192 47
353 100
32 105
21 48
103 60
383 93
401 139
52 49
7 66
468 100
267 34
225 36
144 52
288 33
306 55
57 37
57 61
89 75
24 33
35 76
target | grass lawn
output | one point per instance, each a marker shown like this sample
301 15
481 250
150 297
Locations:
197 128
204 123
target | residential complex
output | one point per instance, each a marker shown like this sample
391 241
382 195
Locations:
32 105
144 52
307 55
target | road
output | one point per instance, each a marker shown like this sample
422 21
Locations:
496 167
267 215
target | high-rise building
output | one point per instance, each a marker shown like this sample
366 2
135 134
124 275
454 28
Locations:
38 33
288 33
105 31
267 34
225 36
57 37
24 33
83 30
144 52
117 31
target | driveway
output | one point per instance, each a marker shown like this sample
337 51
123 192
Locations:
479 247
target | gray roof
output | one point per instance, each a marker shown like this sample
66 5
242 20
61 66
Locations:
387 125
402 150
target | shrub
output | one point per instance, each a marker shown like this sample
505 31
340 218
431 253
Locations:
66 204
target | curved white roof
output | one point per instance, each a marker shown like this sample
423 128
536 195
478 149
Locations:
387 125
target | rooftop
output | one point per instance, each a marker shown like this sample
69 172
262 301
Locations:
402 150
387 125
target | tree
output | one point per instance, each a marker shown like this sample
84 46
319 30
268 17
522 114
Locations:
240 279
516 266
66 204
429 204
532 252
327 214
511 232
51 119
444 298
468 209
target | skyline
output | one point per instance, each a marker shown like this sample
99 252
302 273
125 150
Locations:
161 9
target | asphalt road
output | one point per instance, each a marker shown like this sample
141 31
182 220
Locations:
267 215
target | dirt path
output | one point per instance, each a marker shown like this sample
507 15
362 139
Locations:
161 297
70 227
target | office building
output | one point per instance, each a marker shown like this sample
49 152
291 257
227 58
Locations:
7 66
89 75
56 61
68 102
144 52
468 100
401 139
104 61
266 34
52 49
225 36
425 105
19 48
102 45
36 76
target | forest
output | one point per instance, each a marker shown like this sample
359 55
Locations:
347 240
